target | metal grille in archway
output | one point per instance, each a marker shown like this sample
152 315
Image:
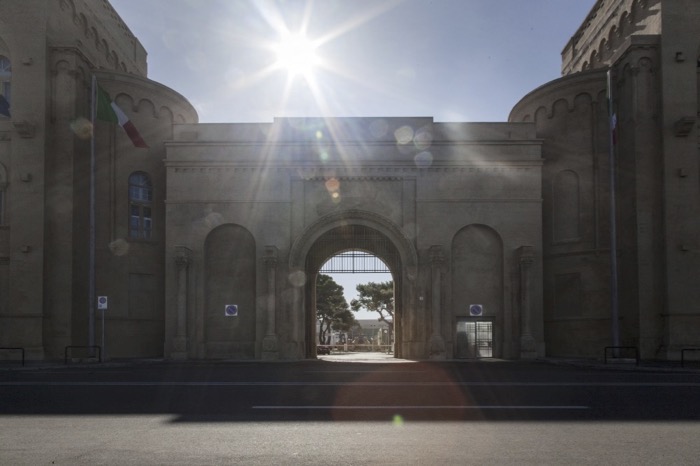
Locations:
354 249
354 262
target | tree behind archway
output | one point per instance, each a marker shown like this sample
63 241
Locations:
332 310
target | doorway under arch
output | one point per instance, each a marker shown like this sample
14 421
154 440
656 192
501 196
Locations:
341 239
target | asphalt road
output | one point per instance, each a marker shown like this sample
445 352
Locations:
321 412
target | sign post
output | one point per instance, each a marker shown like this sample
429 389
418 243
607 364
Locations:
102 304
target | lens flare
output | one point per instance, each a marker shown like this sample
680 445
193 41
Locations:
332 185
119 247
423 159
423 139
404 135
82 128
297 278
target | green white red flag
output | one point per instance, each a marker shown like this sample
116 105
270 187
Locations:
107 110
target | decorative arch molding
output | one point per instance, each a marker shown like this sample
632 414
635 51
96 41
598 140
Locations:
565 88
568 103
128 88
166 113
303 244
125 101
61 66
582 100
226 227
147 106
143 105
595 58
560 107
88 30
643 62
480 227
82 22
613 36
632 69
541 114
103 46
622 25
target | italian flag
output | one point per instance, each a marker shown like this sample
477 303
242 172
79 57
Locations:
107 110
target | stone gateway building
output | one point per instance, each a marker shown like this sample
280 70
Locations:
209 241
254 210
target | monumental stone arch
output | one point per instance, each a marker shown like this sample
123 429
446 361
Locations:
255 210
357 230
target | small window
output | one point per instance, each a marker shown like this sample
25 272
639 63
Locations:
140 209
5 86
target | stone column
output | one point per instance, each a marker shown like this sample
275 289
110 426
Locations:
269 349
528 348
437 262
182 262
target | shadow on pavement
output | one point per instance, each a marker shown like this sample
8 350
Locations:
353 387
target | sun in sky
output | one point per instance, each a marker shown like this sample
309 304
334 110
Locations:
297 54
299 44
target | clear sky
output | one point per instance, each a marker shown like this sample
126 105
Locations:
453 60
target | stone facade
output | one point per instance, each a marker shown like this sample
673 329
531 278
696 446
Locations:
452 207
512 216
652 49
54 48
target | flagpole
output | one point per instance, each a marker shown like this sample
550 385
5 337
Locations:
91 241
615 327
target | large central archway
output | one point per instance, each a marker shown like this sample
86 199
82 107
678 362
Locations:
349 238
359 231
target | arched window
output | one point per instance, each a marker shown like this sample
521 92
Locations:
140 210
5 81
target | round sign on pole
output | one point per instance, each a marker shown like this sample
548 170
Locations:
476 309
102 303
231 310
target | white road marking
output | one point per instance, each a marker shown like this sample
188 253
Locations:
422 407
364 372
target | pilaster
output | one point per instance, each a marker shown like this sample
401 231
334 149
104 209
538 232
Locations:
437 263
528 347
270 344
182 263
